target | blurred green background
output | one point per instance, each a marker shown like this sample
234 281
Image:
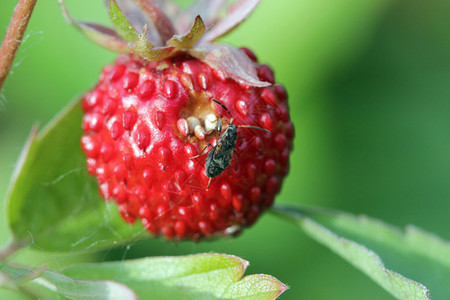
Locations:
369 89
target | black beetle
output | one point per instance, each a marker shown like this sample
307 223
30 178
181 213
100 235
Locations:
219 158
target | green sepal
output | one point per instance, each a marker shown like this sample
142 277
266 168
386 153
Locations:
101 35
161 22
236 14
232 62
120 22
209 10
191 38
143 48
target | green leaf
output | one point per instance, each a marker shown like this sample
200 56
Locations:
255 287
46 284
53 202
120 22
10 276
204 276
395 259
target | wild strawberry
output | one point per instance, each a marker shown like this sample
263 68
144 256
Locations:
155 110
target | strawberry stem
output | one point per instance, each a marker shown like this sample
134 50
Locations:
14 35
9 249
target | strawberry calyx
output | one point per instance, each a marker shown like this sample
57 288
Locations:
155 30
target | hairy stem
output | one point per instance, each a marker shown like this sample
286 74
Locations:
14 35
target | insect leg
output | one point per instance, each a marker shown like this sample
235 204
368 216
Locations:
218 128
201 153
209 131
209 182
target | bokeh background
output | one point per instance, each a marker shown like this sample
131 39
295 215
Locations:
369 89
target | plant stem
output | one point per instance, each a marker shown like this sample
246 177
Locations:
9 249
14 35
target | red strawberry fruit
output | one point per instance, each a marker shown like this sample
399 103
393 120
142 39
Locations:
151 122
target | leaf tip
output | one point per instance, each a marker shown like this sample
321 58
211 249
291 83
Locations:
244 263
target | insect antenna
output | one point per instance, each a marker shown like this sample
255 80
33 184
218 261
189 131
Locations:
254 127
218 102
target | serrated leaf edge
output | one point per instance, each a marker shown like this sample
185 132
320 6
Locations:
237 263
309 224
262 277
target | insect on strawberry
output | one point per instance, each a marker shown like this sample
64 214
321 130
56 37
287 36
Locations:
219 158
150 113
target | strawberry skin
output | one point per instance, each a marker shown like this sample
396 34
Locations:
141 144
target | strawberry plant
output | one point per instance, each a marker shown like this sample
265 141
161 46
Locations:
186 138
